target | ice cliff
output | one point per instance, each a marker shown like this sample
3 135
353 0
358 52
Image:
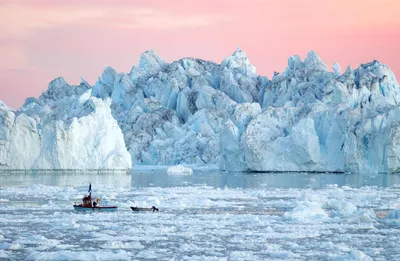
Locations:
191 111
65 128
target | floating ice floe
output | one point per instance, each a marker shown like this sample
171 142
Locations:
307 211
122 245
393 217
75 255
179 170
354 255
342 209
316 208
10 246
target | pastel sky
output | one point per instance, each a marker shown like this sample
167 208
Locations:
43 39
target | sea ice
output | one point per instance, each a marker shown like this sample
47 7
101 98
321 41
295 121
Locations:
207 216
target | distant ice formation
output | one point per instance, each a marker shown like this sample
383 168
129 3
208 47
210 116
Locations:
179 170
198 112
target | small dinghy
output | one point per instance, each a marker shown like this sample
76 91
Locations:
88 205
153 208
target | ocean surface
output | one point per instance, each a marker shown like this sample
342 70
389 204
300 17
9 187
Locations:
209 215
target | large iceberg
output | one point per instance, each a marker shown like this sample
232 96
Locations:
196 112
66 128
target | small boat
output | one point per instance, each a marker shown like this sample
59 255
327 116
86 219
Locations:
82 207
88 205
153 208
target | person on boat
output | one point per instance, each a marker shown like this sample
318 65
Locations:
87 200
96 202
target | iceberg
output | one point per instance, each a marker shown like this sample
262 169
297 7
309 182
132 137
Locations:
196 112
179 170
62 132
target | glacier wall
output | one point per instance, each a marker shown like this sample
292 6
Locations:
192 111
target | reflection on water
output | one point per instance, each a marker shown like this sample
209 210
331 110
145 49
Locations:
65 178
160 178
261 180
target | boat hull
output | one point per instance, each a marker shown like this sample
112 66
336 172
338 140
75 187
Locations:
97 209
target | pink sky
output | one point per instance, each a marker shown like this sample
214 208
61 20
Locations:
43 39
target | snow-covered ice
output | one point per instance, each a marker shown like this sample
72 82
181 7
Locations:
196 112
204 216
